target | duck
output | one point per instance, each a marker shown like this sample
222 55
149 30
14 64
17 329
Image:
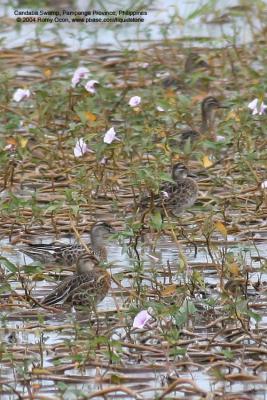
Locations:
195 62
87 287
67 254
209 106
178 195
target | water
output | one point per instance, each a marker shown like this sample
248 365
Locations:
23 329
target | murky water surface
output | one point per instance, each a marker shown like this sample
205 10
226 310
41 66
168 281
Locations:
22 331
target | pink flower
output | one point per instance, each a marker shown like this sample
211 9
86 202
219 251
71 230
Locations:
21 94
81 148
90 86
110 135
141 319
256 107
79 73
103 161
262 109
10 148
143 65
134 101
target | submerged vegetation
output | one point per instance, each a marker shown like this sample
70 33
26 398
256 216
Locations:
92 135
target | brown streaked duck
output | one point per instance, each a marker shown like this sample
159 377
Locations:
176 196
68 254
87 287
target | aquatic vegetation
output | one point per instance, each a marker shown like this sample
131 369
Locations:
89 132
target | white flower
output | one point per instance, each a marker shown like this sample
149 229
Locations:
90 86
134 101
165 194
160 109
141 319
264 185
21 94
253 105
79 73
80 148
110 135
162 74
256 108
220 138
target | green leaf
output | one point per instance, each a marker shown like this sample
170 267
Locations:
228 354
82 116
187 308
205 9
255 316
156 221
165 177
178 351
8 264
5 287
54 207
33 268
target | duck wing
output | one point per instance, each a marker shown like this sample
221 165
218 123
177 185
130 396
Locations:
93 289
55 253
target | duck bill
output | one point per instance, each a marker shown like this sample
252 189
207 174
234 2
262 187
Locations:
191 175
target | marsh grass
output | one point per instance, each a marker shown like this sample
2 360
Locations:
207 290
